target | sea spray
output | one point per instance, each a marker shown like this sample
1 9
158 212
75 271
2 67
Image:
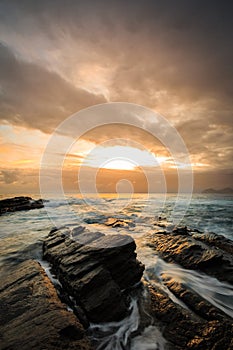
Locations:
219 294
122 335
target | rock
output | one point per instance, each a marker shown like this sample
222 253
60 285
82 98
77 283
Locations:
181 231
184 329
202 252
114 222
111 222
94 269
226 190
19 203
214 240
32 316
160 224
201 307
188 320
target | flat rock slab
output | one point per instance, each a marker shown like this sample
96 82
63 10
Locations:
19 203
94 269
31 314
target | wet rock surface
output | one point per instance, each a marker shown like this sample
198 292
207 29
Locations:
97 273
94 269
32 316
208 253
114 222
183 329
188 320
19 203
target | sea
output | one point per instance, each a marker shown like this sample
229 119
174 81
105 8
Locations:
22 234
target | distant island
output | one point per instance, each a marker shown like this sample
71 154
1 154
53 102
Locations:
226 190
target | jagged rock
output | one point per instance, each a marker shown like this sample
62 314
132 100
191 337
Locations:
183 329
195 251
32 316
114 222
19 203
197 324
181 231
215 240
111 222
94 269
195 302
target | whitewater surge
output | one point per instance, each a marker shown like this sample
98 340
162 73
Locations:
119 335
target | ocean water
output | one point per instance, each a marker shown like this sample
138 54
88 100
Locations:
22 233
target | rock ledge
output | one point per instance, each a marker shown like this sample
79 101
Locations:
94 269
19 203
32 316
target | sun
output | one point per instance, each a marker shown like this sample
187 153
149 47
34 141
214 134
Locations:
119 164
120 158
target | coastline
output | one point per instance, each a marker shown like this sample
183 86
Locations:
200 324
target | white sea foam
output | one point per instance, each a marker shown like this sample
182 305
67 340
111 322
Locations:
117 335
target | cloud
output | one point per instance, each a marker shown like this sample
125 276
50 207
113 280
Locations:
9 176
34 97
13 180
179 51
174 57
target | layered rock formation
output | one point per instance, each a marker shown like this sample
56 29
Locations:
209 253
94 269
19 203
31 314
190 329
97 273
197 324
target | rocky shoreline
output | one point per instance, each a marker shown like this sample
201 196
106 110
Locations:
10 205
200 325
98 274
205 252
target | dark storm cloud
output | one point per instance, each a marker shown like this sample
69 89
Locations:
35 97
183 47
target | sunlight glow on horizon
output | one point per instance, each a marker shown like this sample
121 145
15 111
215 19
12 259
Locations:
18 153
119 164
121 158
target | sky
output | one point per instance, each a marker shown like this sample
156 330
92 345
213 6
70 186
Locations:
59 57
